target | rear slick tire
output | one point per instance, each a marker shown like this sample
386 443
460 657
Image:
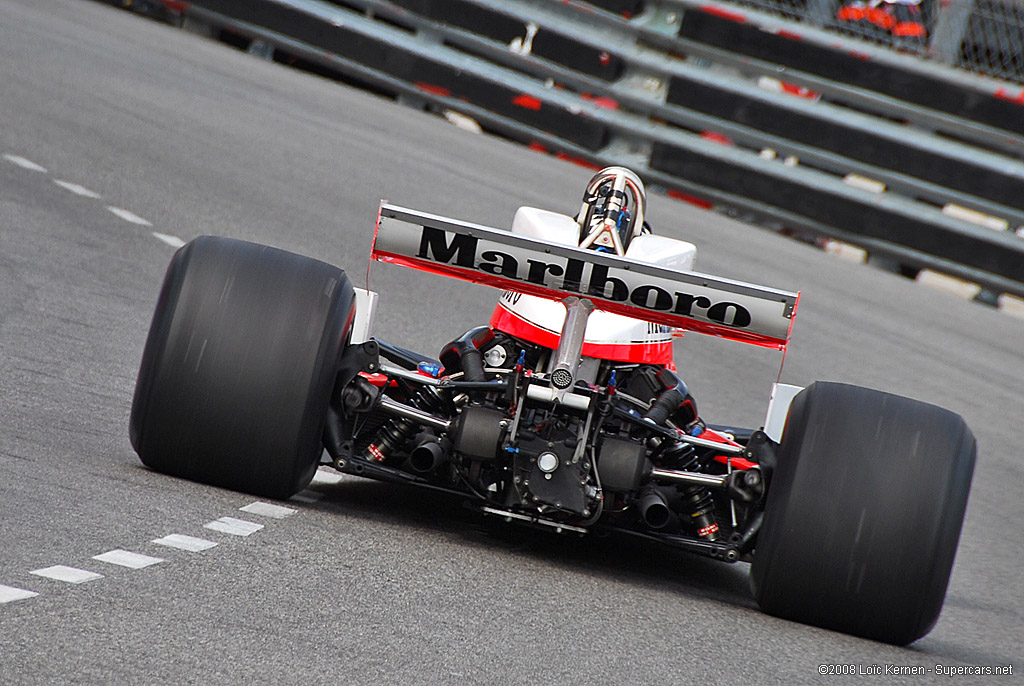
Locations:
863 513
239 366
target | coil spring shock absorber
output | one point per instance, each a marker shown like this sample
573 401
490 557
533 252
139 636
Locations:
393 435
695 501
390 437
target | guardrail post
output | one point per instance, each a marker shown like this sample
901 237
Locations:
821 12
199 28
430 36
261 49
665 18
950 27
661 17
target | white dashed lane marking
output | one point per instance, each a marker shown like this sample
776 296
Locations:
128 559
71 575
131 560
172 241
235 527
25 163
125 558
8 594
78 190
129 216
183 542
268 510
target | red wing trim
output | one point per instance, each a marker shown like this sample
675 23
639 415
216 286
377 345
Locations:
475 276
686 300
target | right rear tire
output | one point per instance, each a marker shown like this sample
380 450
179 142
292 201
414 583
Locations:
863 513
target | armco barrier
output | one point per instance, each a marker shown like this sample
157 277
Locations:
663 90
907 79
905 158
986 36
696 28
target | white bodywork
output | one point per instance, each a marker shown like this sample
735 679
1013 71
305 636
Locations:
603 328
778 409
366 313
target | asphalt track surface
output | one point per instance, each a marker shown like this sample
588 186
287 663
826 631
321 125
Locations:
367 582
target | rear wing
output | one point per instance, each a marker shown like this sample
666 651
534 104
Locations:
687 300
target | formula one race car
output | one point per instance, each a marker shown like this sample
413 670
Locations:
565 413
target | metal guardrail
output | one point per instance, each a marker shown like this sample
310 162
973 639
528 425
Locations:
660 92
987 111
986 36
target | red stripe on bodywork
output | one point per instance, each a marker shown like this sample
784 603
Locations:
639 352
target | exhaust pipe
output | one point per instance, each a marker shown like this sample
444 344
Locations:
655 509
430 453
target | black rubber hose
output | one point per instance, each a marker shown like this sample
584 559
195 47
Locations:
673 398
472 364
463 353
665 404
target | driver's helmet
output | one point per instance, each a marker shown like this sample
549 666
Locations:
613 210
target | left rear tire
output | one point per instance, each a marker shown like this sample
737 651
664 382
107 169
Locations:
239 366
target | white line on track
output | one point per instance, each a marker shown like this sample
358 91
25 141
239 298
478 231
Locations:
77 189
129 216
128 559
235 527
172 241
183 542
8 594
268 510
71 575
25 163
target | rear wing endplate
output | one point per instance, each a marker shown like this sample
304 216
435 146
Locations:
688 300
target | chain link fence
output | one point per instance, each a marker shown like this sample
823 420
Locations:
986 36
994 39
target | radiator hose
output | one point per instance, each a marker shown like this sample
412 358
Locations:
464 354
674 401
